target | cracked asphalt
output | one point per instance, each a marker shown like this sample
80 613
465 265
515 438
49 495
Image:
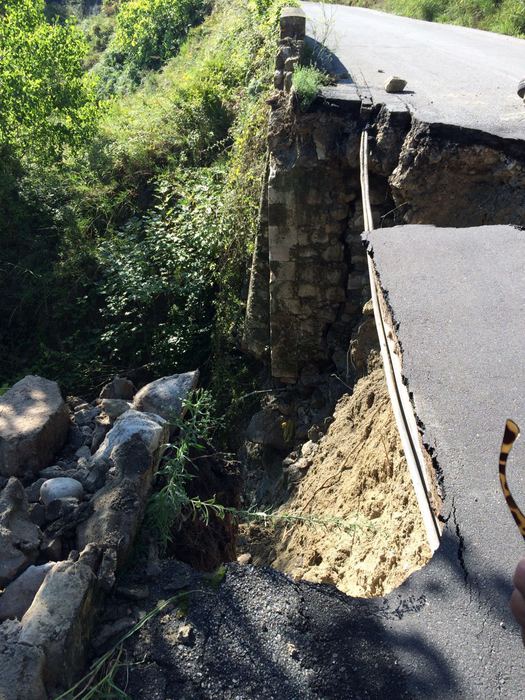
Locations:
458 298
455 75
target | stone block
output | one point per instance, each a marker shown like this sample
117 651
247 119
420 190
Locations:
34 423
119 388
293 23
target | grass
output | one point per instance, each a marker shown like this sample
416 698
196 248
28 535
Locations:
307 81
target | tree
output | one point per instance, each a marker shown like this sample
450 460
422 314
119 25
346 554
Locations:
149 32
47 102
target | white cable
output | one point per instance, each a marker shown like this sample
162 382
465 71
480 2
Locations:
399 397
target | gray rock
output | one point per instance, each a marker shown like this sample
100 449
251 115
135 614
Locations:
21 666
118 388
395 84
62 487
18 596
151 429
33 491
37 514
111 631
165 396
61 508
83 452
59 619
267 428
52 548
115 407
19 537
102 425
34 422
133 592
134 446
86 416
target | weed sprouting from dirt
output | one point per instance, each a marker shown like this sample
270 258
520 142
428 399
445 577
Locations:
172 503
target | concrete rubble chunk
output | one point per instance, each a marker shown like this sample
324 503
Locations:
395 84
165 396
19 537
19 595
34 422
60 616
119 388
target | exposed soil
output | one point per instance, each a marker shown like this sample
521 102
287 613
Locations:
357 472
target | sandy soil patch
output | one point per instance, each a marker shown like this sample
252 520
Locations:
358 471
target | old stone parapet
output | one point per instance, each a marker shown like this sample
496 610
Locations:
293 27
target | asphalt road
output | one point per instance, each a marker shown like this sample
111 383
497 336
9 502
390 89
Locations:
458 296
457 76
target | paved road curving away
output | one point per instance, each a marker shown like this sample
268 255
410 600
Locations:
457 76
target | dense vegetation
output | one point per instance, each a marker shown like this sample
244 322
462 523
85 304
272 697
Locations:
128 207
504 16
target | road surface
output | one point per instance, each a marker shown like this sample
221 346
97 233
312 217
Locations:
458 296
457 76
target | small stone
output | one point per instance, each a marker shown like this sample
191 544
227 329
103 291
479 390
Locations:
19 537
115 407
60 508
101 428
314 433
86 416
18 596
134 592
52 549
119 388
33 491
395 84
111 630
309 449
37 514
186 635
61 487
244 559
83 452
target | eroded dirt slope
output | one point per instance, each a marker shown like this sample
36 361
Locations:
358 471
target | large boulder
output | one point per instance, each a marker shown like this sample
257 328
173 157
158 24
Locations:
34 423
19 537
165 396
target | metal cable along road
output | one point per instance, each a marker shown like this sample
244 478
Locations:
399 396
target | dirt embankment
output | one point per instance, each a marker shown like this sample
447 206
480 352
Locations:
357 472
